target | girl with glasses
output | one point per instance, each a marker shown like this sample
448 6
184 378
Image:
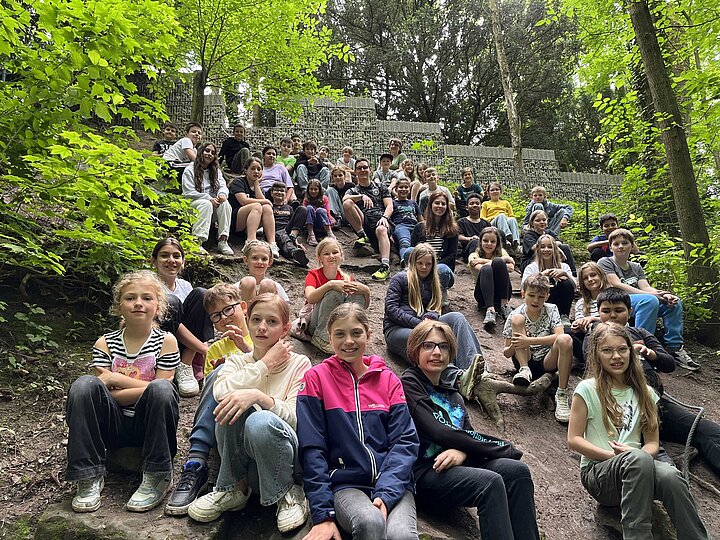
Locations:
456 464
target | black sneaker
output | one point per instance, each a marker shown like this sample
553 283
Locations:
193 481
300 257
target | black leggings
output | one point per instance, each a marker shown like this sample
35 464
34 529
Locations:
562 294
493 284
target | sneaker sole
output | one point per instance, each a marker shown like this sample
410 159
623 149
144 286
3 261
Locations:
521 381
687 366
86 509
183 510
562 420
189 394
207 518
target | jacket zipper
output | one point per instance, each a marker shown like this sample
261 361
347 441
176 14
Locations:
361 430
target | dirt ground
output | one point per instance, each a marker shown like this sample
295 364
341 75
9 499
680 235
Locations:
33 432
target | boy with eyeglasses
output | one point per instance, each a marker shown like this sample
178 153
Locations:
536 341
227 313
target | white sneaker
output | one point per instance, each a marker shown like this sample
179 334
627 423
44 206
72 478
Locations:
185 379
211 506
490 318
506 310
292 510
87 498
683 360
523 377
151 492
225 248
275 250
562 406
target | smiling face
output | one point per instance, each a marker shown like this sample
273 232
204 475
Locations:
239 133
489 244
608 226
473 207
313 190
403 190
254 172
138 303
362 172
540 222
194 134
467 178
331 256
591 280
229 311
546 246
348 339
439 206
296 144
266 327
209 154
432 361
169 133
385 164
494 192
338 178
408 167
278 195
613 353
323 152
614 312
285 148
424 265
169 263
431 177
258 261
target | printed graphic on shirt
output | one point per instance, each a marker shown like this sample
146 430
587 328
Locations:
143 368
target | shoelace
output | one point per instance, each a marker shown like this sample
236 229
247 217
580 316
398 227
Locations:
187 478
87 486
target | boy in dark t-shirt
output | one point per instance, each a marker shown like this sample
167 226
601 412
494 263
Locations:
471 226
289 222
231 148
169 136
406 214
462 192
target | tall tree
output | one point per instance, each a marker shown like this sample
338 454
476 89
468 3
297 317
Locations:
267 51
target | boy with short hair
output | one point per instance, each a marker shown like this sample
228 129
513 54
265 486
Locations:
675 421
470 226
286 146
169 133
289 222
648 303
432 178
558 214
466 187
309 166
235 147
368 207
227 313
346 159
536 341
599 246
297 144
383 175
183 151
405 215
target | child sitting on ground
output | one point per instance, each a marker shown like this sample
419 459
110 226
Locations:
309 166
235 147
499 213
169 133
327 287
183 151
649 303
258 257
359 479
383 175
405 216
614 426
558 214
465 188
491 265
285 157
591 281
226 311
256 422
432 179
470 226
536 341
289 222
676 421
340 183
319 217
129 399
346 160
599 246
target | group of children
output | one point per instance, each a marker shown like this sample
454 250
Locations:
348 443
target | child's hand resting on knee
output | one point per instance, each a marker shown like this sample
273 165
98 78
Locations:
234 405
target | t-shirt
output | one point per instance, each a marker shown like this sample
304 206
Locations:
595 431
176 153
630 276
377 193
290 160
601 238
276 173
341 191
229 148
491 209
463 191
580 308
548 320
161 146
182 289
222 348
405 213
239 185
282 213
469 229
533 268
141 365
384 178
316 278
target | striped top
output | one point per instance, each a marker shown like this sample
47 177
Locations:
141 365
436 241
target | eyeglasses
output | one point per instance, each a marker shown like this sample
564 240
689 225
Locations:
609 351
227 311
361 167
429 346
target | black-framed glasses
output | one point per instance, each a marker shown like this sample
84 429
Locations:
429 346
227 311
361 167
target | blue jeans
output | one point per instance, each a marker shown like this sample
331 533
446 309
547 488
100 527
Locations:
357 515
508 225
301 174
468 346
258 441
647 308
402 234
317 217
336 206
501 489
202 436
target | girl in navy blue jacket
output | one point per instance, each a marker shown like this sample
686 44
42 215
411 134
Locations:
357 441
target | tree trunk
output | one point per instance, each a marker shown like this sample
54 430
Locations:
685 193
513 118
198 96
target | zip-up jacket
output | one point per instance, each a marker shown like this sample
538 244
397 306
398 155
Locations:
354 433
442 422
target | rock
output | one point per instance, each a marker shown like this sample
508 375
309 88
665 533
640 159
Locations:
662 528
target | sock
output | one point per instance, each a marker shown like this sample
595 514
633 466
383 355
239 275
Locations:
561 392
360 233
197 457
385 262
